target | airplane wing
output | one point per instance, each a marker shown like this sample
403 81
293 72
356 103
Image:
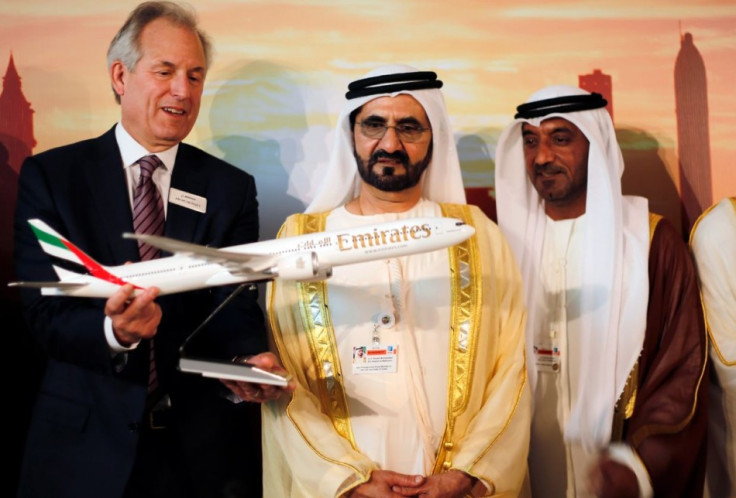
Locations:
54 285
235 262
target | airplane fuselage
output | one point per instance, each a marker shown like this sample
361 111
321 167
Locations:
303 257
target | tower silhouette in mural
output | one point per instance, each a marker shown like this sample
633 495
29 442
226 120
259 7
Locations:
645 174
16 119
598 82
16 143
693 137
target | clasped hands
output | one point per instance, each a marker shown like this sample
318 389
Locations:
388 484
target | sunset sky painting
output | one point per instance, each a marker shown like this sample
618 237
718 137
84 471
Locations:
281 69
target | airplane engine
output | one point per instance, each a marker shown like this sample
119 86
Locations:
304 267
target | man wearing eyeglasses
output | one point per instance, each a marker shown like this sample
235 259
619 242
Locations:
440 407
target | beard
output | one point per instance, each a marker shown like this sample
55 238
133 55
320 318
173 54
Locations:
556 184
386 179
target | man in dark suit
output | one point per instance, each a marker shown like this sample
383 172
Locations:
94 432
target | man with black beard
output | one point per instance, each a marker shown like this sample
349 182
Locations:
451 421
385 178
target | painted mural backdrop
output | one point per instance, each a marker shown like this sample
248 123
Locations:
281 69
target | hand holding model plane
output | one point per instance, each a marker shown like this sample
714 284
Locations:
133 318
132 288
260 393
192 266
138 319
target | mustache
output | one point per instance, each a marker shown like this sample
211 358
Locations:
547 168
398 155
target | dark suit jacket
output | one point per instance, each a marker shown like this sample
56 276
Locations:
87 416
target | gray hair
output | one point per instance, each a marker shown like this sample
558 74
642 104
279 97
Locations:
126 45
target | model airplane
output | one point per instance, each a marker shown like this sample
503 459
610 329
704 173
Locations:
304 257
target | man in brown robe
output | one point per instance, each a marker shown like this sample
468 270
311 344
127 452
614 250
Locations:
616 347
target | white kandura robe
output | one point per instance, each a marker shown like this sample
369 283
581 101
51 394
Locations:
338 427
713 242
560 468
396 438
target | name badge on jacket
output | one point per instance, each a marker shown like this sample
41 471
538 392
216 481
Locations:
187 200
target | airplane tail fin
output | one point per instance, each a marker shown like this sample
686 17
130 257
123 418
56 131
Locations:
58 246
64 274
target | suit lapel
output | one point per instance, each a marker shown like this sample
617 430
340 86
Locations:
189 176
107 189
106 186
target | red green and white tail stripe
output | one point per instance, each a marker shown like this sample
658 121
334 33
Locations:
55 245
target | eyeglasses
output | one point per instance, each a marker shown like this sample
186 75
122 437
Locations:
407 132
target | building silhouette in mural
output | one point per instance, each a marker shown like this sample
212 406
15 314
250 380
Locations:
598 82
484 198
645 173
477 167
16 119
693 137
16 143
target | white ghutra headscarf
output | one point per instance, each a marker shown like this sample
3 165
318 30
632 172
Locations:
615 288
442 178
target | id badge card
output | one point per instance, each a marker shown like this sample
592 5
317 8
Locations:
547 359
375 359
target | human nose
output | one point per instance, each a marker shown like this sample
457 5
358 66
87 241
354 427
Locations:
180 86
544 154
390 140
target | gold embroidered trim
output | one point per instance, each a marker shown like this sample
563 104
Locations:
466 296
313 304
654 220
711 339
656 429
624 408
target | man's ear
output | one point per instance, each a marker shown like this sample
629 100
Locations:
118 77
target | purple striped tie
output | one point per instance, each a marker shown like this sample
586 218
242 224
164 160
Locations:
148 218
148 207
